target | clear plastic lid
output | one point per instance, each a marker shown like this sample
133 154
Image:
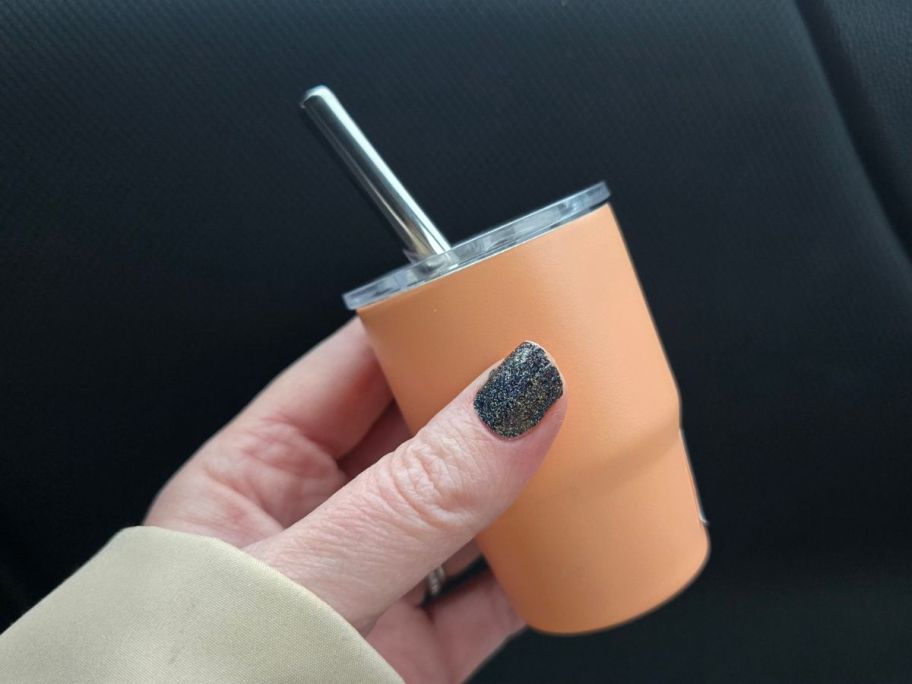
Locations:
479 247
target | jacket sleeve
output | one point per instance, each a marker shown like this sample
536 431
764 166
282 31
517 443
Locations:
161 606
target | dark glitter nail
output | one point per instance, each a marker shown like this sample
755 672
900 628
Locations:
519 391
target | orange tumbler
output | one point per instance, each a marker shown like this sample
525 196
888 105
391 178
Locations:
610 527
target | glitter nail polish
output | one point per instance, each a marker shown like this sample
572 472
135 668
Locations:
519 391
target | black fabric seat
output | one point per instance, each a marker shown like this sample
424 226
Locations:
172 234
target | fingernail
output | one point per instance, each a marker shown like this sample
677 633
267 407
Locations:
519 392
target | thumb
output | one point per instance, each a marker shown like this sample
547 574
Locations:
382 533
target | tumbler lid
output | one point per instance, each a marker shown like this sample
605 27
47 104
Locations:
481 246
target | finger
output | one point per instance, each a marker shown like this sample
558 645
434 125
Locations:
383 532
460 561
461 630
404 637
454 566
385 435
472 623
330 397
275 462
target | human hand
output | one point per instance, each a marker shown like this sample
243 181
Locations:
318 478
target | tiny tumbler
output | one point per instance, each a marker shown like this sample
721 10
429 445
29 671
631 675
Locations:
610 527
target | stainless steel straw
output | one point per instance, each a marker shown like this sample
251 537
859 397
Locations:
410 223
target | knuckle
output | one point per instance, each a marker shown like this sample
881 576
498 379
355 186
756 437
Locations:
277 443
437 480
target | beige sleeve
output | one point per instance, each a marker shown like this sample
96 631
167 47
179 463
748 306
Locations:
161 606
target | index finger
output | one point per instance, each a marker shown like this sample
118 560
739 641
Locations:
331 396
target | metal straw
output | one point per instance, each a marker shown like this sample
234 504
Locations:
411 224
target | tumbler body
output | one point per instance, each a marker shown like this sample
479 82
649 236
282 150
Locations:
610 527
